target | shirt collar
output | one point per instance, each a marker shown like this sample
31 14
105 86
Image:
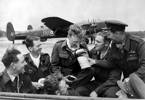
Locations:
34 57
36 61
12 77
68 44
7 77
64 45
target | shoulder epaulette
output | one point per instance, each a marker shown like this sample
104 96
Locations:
137 39
135 42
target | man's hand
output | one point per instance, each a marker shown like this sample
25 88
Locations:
121 94
126 79
41 81
93 94
125 86
37 85
63 86
92 61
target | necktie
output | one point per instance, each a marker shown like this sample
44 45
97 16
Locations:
17 83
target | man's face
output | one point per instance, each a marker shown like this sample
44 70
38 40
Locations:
99 42
20 64
37 47
116 37
74 41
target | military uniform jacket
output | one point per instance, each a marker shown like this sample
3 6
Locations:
132 57
106 77
43 69
62 57
23 85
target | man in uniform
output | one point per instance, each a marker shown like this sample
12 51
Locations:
64 57
106 74
13 79
130 52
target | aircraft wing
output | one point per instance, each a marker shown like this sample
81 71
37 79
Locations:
56 23
106 24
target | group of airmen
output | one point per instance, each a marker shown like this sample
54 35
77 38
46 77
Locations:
115 66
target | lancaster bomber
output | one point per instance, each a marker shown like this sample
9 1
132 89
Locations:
58 28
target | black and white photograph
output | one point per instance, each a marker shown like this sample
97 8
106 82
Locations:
72 49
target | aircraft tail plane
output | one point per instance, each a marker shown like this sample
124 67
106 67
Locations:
10 32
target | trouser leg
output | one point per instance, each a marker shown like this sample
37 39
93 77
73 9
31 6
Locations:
137 85
80 91
84 90
83 77
111 92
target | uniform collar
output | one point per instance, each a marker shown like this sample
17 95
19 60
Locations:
68 44
64 44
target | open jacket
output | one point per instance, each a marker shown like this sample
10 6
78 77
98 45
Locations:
64 58
41 71
21 85
106 73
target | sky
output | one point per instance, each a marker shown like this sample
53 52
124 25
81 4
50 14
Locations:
24 12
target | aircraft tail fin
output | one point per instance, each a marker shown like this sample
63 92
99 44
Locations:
10 32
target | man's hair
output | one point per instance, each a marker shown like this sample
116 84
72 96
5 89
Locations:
29 41
75 30
101 34
51 83
10 56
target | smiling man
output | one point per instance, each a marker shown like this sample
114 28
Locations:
14 79
38 63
